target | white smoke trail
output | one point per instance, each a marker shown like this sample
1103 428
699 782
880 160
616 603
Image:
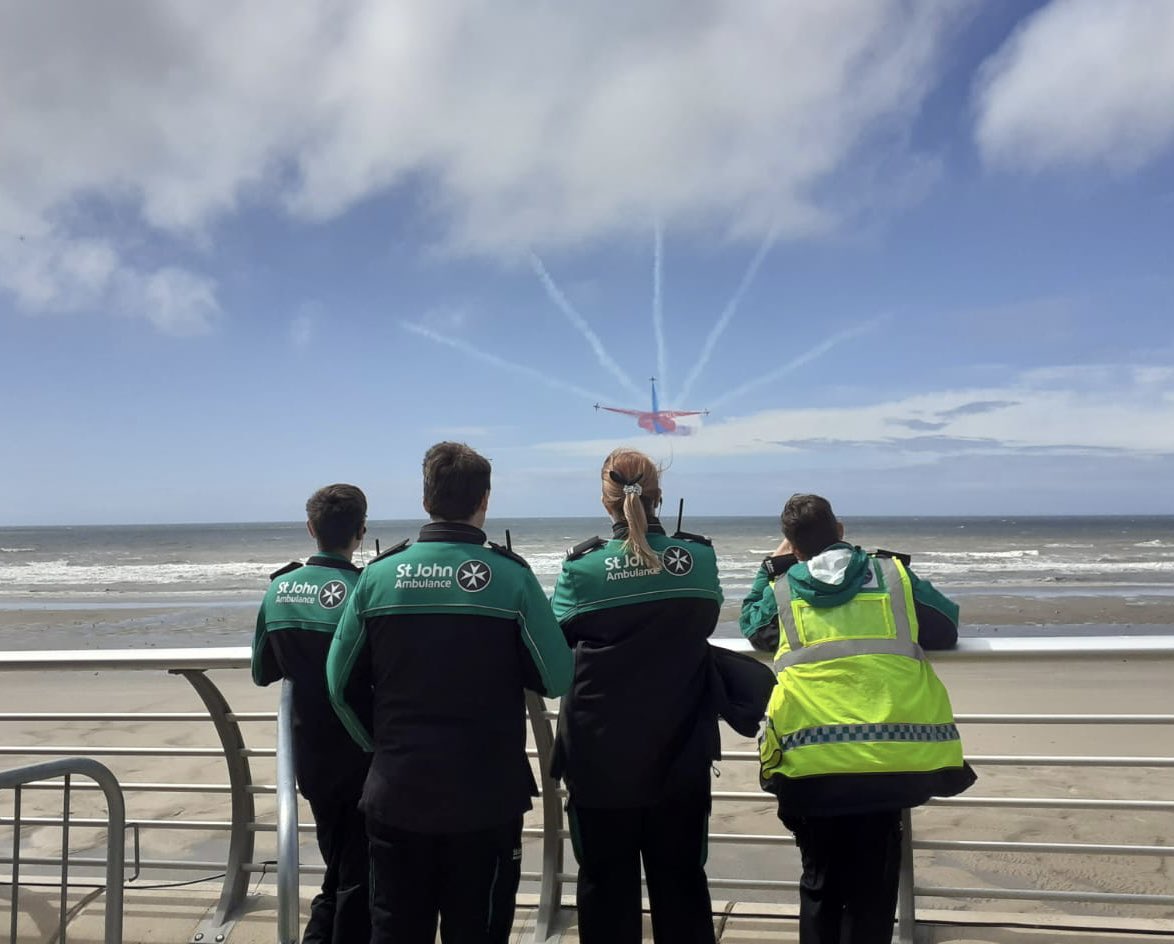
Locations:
728 312
796 362
520 369
560 301
658 312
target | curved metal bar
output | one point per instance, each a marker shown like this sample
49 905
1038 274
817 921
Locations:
288 872
551 890
240 778
115 836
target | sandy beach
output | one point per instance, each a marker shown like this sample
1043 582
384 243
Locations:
1120 686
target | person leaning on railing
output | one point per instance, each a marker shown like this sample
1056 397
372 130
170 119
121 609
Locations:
637 731
444 635
859 727
294 628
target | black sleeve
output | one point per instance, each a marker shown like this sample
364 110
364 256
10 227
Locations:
935 630
766 637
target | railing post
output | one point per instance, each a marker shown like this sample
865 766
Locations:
906 915
288 879
551 890
241 834
14 920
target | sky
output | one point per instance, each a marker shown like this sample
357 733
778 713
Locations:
915 255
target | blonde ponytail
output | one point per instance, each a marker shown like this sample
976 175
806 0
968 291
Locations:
631 490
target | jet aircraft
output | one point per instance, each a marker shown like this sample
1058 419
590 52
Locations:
657 421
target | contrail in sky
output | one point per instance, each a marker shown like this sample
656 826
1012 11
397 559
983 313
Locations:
560 301
796 362
519 369
728 312
658 310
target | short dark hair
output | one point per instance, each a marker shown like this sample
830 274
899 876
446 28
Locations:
337 514
455 480
810 524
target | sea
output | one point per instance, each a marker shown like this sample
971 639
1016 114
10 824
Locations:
181 572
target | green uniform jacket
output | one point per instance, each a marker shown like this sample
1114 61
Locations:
295 625
445 635
638 721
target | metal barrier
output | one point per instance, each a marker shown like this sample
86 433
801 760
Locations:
18 778
242 826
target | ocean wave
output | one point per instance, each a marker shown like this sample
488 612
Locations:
16 550
982 555
1046 567
1156 542
234 575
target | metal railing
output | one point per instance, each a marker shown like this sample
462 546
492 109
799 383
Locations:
242 825
289 921
67 767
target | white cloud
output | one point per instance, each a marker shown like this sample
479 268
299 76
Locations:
526 124
1081 82
58 274
1075 410
301 331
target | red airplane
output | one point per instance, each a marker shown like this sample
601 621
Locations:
658 421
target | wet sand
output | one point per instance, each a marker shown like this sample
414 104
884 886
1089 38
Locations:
92 623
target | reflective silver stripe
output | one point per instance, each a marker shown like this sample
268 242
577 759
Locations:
786 614
896 588
839 648
901 645
884 731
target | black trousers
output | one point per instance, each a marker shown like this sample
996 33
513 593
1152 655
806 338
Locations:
468 880
851 866
339 914
672 839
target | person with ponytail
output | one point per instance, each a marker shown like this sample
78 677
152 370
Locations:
637 731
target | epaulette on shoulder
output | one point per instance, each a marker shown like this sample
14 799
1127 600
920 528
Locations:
507 552
695 538
903 558
395 549
292 565
586 547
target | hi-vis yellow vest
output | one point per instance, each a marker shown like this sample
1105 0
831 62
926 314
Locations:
855 693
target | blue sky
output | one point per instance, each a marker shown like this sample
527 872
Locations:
246 252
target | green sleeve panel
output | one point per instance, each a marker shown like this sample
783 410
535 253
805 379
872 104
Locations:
264 666
609 577
759 608
927 594
347 659
562 601
544 639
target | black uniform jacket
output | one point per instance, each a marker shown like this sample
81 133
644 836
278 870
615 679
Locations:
325 756
449 715
640 701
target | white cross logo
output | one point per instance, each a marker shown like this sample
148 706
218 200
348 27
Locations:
474 575
678 561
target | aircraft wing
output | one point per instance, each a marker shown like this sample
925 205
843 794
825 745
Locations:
673 414
616 409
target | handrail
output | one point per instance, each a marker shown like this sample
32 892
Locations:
238 657
288 873
17 777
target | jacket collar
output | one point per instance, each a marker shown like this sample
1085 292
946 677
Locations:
330 559
453 532
619 529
